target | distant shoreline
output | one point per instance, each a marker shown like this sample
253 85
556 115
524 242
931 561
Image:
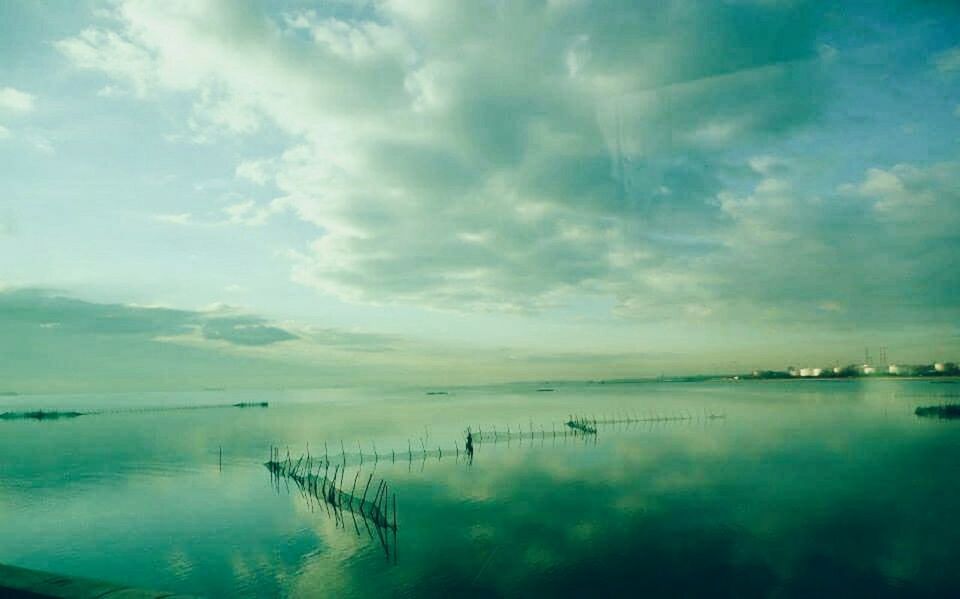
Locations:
733 378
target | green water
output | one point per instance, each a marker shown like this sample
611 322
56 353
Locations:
803 489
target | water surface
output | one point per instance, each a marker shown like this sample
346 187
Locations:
803 489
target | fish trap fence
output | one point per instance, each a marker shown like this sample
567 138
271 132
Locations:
325 484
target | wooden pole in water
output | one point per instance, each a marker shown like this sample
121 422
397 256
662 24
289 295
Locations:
380 514
365 489
373 501
221 459
354 488
383 504
379 490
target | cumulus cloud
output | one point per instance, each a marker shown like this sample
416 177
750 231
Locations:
507 156
880 246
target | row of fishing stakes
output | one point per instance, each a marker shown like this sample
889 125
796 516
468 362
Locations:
306 473
587 426
575 427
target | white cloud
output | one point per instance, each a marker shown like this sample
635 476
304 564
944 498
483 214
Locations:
104 50
13 100
926 197
255 171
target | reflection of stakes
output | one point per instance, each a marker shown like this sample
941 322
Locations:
308 476
314 485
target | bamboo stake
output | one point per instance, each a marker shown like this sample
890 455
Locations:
365 489
354 488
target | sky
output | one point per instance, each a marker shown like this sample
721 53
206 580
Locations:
237 193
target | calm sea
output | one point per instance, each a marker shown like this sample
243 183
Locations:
801 489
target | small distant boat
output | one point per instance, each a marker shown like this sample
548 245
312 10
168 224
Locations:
251 404
545 389
437 393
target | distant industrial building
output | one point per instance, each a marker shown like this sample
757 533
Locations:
885 369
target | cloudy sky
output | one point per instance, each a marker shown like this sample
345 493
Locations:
295 193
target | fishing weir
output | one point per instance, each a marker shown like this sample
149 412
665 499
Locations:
581 428
60 415
318 486
322 479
